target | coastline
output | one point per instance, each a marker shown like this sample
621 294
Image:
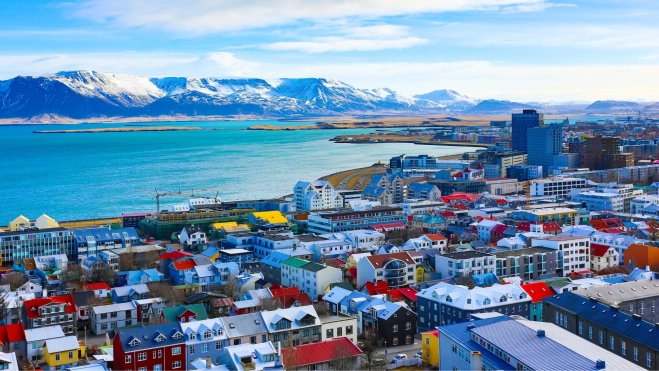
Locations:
132 129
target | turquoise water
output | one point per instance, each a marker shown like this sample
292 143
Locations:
91 175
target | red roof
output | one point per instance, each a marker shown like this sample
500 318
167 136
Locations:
283 291
288 300
184 264
435 333
12 333
174 255
334 262
324 351
460 207
380 287
551 227
447 214
387 226
32 306
598 250
500 201
435 237
613 231
96 286
379 261
537 291
524 226
499 228
408 292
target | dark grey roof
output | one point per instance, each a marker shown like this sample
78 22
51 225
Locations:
244 325
622 292
527 251
464 255
32 231
310 238
83 298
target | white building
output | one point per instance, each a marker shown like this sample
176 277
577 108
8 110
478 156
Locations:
485 229
599 201
463 264
333 327
316 195
557 186
311 278
110 317
323 247
51 262
360 238
36 339
639 203
574 251
602 257
398 269
193 235
427 241
413 206
265 243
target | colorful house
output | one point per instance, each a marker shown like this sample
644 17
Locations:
12 340
641 256
178 269
63 352
430 347
157 348
537 291
181 313
212 252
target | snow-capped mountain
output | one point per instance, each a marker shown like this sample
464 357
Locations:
449 99
493 106
612 106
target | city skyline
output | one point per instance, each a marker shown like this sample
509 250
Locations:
521 50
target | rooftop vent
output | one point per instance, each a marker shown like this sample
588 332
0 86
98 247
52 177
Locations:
470 326
599 364
541 333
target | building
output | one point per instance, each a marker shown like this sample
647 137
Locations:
537 291
573 252
640 255
126 294
423 191
559 187
203 339
396 268
524 172
502 186
316 195
193 235
252 357
377 194
430 347
599 153
104 318
359 239
245 329
445 304
29 243
463 264
561 215
447 187
341 221
299 324
157 347
625 335
336 354
484 229
527 263
412 162
638 204
600 201
603 257
210 275
393 183
636 297
94 240
311 278
333 327
427 241
62 353
12 340
41 312
36 340
521 123
547 149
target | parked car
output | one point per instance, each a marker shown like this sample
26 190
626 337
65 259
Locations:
398 357
418 354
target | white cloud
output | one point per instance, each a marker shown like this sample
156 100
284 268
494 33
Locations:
337 44
377 31
199 17
480 79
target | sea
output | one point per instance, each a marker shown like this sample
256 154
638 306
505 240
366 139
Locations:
94 175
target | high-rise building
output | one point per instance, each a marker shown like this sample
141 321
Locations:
547 149
529 118
602 153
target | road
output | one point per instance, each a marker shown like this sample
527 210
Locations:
407 349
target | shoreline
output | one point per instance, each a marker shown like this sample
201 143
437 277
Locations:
132 129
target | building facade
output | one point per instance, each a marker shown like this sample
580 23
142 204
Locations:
521 123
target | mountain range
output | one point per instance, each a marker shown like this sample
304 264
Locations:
91 94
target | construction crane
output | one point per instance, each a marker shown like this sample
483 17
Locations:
185 194
527 189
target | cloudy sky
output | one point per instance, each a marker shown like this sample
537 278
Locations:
523 50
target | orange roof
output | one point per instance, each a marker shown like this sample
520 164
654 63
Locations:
184 264
324 351
435 237
641 255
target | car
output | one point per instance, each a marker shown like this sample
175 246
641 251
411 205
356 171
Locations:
398 357
418 354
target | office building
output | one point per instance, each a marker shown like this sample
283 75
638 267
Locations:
547 149
524 172
521 123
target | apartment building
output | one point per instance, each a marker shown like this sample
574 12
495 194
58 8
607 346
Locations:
398 269
299 324
311 278
341 221
527 264
203 339
463 264
54 310
573 252
557 186
104 318
316 195
32 242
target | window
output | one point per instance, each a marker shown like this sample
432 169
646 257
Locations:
157 368
176 364
193 336
635 354
590 332
427 341
191 349
330 333
252 339
454 348
648 360
611 343
408 326
218 345
204 348
176 351
128 359
263 338
141 356
349 330
208 334
601 337
580 328
339 331
623 348
57 356
395 328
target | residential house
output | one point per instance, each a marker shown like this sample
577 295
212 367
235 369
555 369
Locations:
211 274
484 229
325 248
311 278
573 252
179 313
179 268
245 329
287 297
216 305
144 308
252 357
397 269
235 256
36 340
466 263
158 347
127 294
423 191
551 228
333 298
271 266
211 252
60 310
359 239
429 222
333 327
204 339
603 257
299 324
377 194
430 347
316 195
193 235
62 353
266 243
427 241
393 183
84 301
325 355
168 258
445 304
245 306
12 340
101 289
537 291
110 317
142 276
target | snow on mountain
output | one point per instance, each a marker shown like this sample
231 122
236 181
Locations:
446 96
493 106
612 106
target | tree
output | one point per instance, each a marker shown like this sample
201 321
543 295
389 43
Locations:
370 350
321 309
230 288
14 280
104 274
291 353
150 259
4 307
73 272
269 304
343 358
166 292
127 261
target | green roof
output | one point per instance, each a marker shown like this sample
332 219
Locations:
344 285
170 314
295 262
313 267
187 286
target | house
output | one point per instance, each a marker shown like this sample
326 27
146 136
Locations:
101 290
179 268
168 258
359 239
157 347
324 248
300 324
271 266
551 228
36 339
204 339
406 295
430 347
211 252
537 291
333 299
211 274
429 222
127 294
235 256
395 324
387 249
427 241
84 300
378 194
444 304
110 317
63 352
245 329
333 327
484 229
311 278
316 195
60 309
377 288
638 255
397 269
354 258
287 297
8 361
12 340
393 183
252 357
142 276
215 304
179 313
193 235
603 257
339 353
423 191
638 298
245 306
466 263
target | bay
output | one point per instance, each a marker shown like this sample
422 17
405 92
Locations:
93 175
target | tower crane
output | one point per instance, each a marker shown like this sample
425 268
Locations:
181 194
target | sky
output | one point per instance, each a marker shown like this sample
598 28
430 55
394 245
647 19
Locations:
520 50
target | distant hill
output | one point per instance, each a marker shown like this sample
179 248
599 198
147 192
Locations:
613 106
493 106
450 99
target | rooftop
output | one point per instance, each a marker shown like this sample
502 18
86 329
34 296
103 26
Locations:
526 251
464 255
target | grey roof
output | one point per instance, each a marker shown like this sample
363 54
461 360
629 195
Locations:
622 292
83 298
128 290
527 251
310 238
43 333
244 325
32 231
62 344
464 255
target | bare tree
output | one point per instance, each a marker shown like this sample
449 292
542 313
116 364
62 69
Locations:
73 272
105 274
4 308
269 304
150 259
344 360
128 261
369 347
321 309
291 353
166 292
14 280
230 288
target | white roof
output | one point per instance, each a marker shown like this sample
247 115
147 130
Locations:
205 270
336 294
246 303
113 308
234 251
62 344
201 326
475 299
292 314
125 290
43 333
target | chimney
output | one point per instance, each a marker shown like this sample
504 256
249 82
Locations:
476 361
600 365
541 333
636 316
208 362
279 349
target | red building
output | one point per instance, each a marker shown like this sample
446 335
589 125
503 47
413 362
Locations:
55 310
157 348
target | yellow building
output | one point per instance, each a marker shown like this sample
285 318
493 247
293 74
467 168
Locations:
420 275
44 221
63 352
19 223
430 347
355 258
267 217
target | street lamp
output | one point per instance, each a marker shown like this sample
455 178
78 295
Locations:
385 351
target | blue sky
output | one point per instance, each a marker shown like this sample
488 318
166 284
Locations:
524 50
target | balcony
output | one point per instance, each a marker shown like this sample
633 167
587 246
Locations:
394 273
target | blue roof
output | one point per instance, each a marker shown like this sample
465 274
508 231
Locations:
614 280
105 235
420 187
146 336
210 251
485 279
461 334
374 191
602 315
